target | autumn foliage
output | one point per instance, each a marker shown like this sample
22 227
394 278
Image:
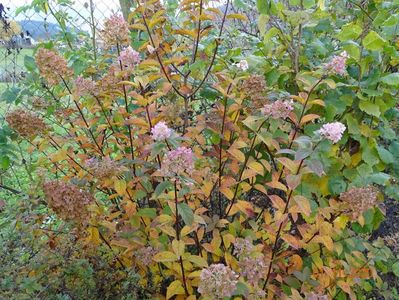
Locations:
209 176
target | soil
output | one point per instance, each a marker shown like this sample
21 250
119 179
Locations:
389 227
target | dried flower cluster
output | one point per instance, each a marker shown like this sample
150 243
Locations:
392 241
178 162
39 103
145 254
217 281
360 200
25 123
253 269
129 58
279 109
337 65
116 31
9 29
104 168
68 201
84 86
254 87
242 247
161 132
332 131
52 67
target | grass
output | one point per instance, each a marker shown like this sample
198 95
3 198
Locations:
7 60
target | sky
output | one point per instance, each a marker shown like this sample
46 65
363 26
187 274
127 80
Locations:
103 8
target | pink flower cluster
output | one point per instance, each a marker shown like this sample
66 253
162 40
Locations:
278 109
52 66
178 162
332 131
116 31
129 58
161 132
84 86
313 296
337 64
217 281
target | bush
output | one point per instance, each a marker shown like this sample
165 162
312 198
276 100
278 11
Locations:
215 162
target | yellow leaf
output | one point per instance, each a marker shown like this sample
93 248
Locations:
94 235
237 16
309 118
178 247
257 167
198 260
165 256
237 154
175 288
303 204
120 187
227 192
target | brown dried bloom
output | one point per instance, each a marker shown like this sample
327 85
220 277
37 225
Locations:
105 168
27 124
68 201
39 103
116 31
145 255
392 241
360 199
52 66
254 87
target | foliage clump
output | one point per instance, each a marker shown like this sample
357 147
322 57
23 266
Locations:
159 135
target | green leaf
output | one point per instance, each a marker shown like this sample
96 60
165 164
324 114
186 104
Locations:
336 185
373 41
391 79
349 32
370 108
385 155
162 187
10 95
147 212
241 289
186 213
263 6
29 63
4 162
395 269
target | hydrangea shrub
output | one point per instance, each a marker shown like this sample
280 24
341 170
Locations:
218 172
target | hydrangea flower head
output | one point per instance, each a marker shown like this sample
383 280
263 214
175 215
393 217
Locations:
217 281
161 132
52 66
116 31
178 162
243 65
278 109
129 58
332 131
84 86
337 64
